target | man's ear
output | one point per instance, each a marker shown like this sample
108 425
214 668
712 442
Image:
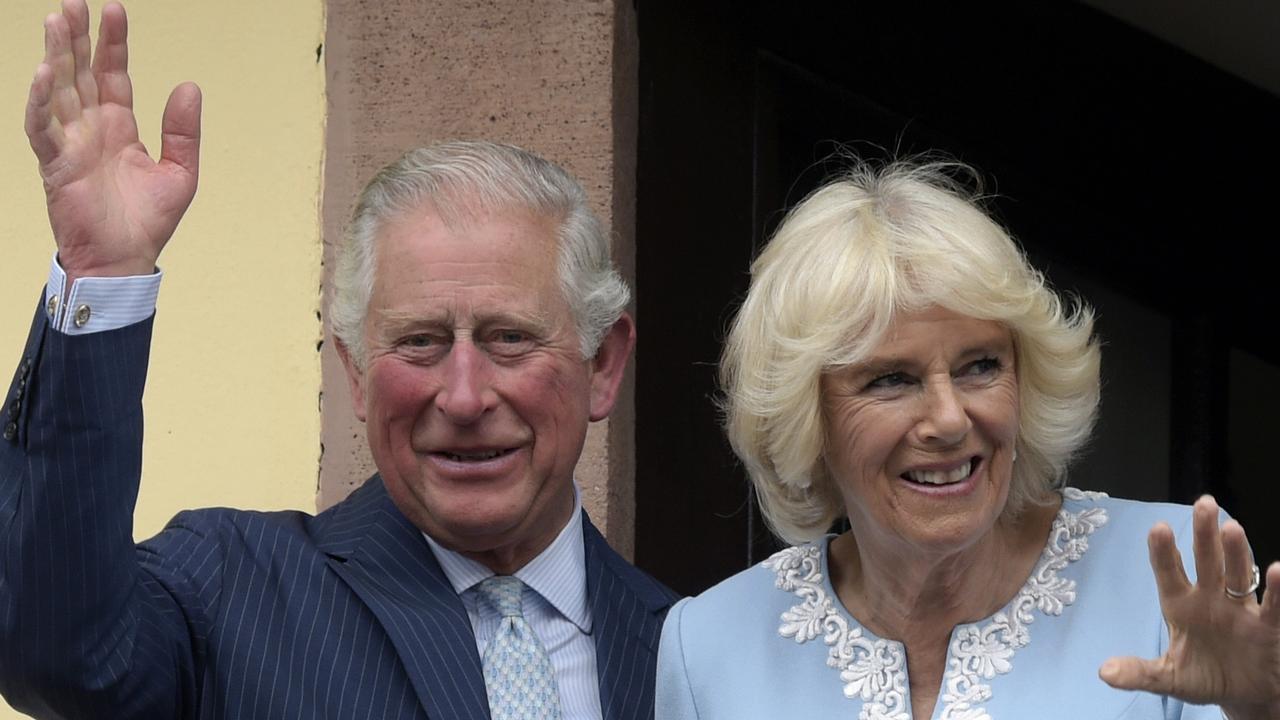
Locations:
609 365
355 378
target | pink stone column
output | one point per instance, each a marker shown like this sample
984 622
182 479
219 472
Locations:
558 77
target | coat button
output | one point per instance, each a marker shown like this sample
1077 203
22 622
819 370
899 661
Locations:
52 306
11 431
14 408
82 316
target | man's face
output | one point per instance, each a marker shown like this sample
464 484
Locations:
474 391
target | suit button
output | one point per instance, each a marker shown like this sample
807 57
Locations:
82 316
26 366
11 431
52 306
14 408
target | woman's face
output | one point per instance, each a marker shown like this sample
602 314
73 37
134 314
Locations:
920 437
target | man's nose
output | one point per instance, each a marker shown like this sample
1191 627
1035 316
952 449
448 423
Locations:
466 392
943 420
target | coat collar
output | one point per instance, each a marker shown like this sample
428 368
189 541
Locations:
627 609
386 561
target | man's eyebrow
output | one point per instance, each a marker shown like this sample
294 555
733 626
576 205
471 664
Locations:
402 320
534 318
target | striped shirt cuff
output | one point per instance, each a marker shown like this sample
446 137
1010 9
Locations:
98 304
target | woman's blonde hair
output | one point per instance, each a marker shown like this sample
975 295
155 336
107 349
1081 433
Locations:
874 242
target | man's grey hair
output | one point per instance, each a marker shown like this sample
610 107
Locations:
465 181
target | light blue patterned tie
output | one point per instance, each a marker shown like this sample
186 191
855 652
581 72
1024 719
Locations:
517 671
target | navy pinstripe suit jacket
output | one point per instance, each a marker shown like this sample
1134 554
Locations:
228 613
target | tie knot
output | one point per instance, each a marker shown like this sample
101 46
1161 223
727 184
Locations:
503 593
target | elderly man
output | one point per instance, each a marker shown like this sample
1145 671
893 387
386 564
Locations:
482 328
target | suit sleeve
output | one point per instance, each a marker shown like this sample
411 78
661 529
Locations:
84 630
674 694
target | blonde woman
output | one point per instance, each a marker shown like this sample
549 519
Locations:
897 362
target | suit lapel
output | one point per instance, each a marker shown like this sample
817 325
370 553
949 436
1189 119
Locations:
385 560
627 609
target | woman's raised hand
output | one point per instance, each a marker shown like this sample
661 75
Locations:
1224 647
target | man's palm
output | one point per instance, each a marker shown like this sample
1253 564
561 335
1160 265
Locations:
112 208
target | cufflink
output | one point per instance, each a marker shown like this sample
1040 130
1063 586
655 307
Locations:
81 318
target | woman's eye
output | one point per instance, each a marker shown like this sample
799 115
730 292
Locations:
890 380
985 366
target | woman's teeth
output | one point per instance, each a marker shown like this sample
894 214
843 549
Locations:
940 477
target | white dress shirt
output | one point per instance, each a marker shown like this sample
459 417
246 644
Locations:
98 304
555 605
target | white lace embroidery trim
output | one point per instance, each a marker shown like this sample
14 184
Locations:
875 671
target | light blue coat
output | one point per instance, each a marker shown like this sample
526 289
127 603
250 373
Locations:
774 642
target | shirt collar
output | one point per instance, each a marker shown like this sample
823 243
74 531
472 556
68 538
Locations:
558 573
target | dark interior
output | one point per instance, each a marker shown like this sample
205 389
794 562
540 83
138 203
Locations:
1131 172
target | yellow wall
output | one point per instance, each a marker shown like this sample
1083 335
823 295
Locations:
232 408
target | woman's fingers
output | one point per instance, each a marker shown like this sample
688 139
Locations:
1271 598
1207 543
1134 673
1237 558
1166 562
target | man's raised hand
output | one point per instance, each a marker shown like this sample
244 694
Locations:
112 208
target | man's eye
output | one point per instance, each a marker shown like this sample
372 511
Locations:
425 342
508 343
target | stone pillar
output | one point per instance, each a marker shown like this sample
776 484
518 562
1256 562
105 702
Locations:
558 77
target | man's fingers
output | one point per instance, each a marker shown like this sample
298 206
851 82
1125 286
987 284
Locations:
180 129
1132 673
1166 562
44 135
1207 543
77 15
65 100
111 60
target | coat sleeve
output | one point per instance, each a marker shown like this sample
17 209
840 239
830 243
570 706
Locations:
85 631
674 694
